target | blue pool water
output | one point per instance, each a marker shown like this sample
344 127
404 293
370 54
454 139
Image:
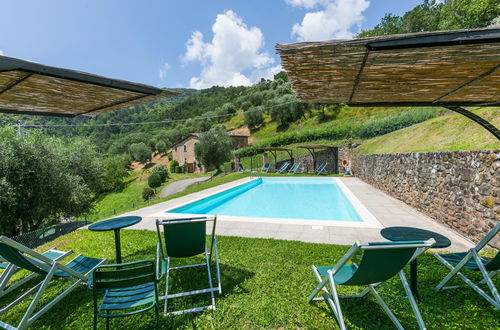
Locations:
292 198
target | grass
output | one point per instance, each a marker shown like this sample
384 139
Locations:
129 197
453 132
265 284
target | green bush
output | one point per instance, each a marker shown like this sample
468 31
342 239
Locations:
147 193
393 123
154 180
178 169
173 165
162 172
140 152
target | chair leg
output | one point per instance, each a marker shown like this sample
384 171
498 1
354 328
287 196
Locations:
107 320
413 303
454 270
496 297
157 317
210 280
166 286
336 302
490 275
386 308
217 266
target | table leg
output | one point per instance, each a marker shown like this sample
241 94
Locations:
414 279
118 246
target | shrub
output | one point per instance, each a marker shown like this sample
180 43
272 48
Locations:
173 165
178 169
147 193
115 170
154 180
389 124
162 172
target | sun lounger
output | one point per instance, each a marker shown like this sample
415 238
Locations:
294 168
266 167
283 167
380 261
457 262
321 168
78 270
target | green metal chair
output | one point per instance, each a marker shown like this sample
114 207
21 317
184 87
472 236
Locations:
471 260
379 262
10 269
77 270
129 289
266 167
184 238
321 168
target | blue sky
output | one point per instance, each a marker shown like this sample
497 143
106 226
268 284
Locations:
187 43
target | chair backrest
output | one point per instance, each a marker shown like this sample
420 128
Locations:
123 275
184 237
383 260
486 239
14 256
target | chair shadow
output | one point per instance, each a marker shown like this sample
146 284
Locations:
80 302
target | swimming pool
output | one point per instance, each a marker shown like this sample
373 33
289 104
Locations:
321 200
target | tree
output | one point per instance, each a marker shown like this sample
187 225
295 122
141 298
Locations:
161 147
115 169
154 180
254 117
214 147
140 152
162 172
44 178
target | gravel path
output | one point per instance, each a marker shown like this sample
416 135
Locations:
180 185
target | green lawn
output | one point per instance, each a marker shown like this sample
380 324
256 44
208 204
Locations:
265 284
453 132
129 197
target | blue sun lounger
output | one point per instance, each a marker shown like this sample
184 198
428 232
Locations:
283 167
294 168
321 168
266 167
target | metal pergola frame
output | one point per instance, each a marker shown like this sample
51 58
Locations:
312 150
332 58
26 70
274 150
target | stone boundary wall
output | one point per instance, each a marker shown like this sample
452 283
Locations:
460 189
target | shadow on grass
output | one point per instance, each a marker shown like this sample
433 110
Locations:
77 307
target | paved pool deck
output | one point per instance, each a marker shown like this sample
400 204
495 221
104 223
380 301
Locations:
388 212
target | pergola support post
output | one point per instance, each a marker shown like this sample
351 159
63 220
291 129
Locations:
486 124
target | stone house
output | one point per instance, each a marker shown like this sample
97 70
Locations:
183 151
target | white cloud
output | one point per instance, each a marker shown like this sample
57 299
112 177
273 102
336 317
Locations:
334 20
233 57
1 52
163 71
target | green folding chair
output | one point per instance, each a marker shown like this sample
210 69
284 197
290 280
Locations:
321 168
294 168
10 269
283 167
456 262
184 238
129 289
379 262
77 270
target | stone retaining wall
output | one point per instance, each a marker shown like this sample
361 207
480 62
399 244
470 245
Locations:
460 189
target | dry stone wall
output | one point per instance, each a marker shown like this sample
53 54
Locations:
460 189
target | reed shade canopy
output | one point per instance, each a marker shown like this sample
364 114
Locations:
31 88
452 69
274 150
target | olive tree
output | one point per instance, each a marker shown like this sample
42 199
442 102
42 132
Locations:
214 147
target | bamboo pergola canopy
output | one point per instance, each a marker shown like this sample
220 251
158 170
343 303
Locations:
32 88
315 146
275 149
455 68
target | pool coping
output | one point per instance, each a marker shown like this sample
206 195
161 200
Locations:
368 219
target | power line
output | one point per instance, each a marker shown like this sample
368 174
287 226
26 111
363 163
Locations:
155 122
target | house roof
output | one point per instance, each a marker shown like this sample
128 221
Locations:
31 88
455 68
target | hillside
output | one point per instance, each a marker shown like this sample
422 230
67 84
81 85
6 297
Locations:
451 132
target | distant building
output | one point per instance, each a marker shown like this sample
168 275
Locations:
183 151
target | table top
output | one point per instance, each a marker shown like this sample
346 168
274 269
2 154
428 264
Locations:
115 223
396 234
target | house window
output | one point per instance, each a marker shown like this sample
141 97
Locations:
175 149
185 149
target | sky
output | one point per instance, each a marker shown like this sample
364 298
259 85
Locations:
186 43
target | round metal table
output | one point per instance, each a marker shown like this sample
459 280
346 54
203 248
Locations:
397 234
116 224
